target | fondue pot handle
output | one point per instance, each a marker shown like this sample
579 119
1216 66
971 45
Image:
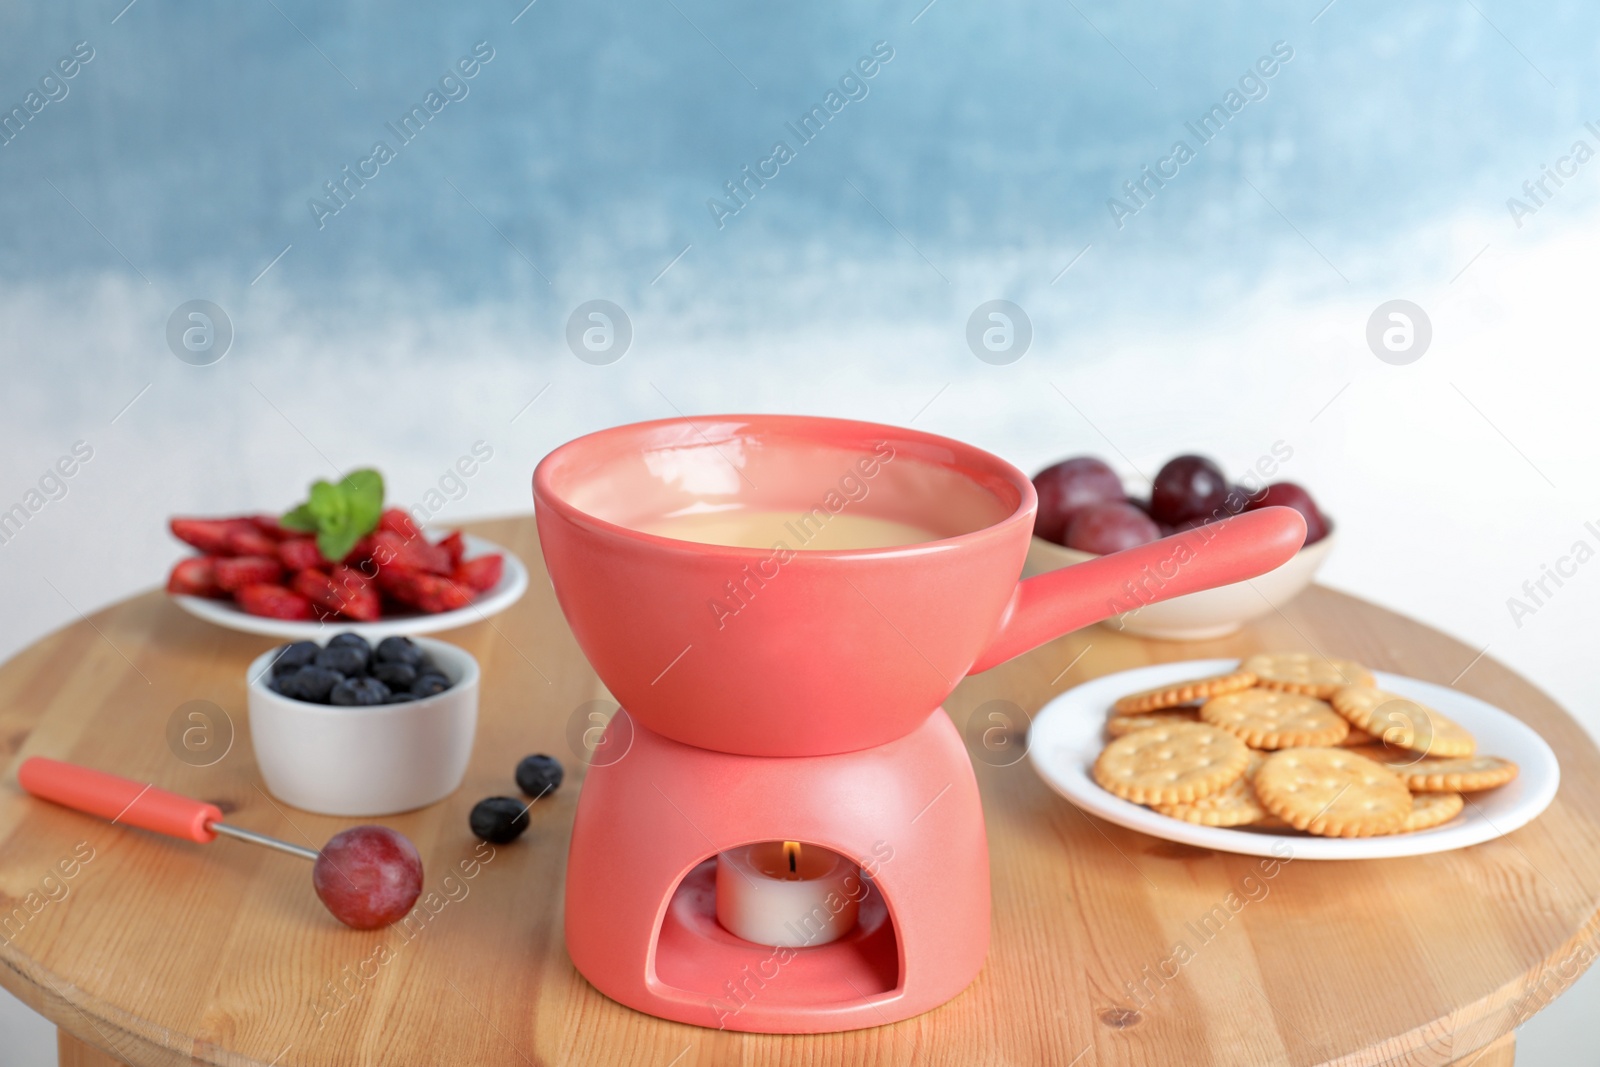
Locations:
1048 605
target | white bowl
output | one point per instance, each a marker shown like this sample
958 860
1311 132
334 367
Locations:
1206 614
369 760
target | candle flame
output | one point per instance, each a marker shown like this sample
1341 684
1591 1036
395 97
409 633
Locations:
791 856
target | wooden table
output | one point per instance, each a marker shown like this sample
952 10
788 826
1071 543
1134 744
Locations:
163 952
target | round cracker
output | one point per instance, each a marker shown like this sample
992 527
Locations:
1401 722
1174 764
1266 718
1432 809
1122 725
1332 792
1235 805
1304 672
1358 738
1469 774
1170 696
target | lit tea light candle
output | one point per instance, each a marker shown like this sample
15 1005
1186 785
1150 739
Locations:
784 894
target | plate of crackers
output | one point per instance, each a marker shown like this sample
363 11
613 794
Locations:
1322 754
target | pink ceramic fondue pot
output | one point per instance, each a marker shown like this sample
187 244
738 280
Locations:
779 649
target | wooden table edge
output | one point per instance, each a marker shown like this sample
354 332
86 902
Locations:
90 1023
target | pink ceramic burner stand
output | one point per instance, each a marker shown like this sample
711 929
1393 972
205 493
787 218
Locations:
641 913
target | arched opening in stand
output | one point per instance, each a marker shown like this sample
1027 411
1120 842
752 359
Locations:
696 955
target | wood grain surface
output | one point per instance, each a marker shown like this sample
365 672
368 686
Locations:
165 952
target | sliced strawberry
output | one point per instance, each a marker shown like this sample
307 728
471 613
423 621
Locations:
390 577
208 535
360 553
389 549
316 587
396 520
240 571
346 591
273 602
301 553
481 573
456 545
244 539
361 599
194 576
223 537
269 525
426 592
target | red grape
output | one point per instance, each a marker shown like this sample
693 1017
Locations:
1290 495
1068 486
1103 528
1166 528
1239 498
1187 487
368 876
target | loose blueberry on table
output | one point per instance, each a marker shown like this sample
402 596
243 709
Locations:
349 672
499 820
539 774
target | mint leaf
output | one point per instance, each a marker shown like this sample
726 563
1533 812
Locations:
327 502
363 495
340 515
335 544
300 519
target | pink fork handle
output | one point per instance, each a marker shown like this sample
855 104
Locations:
1048 605
121 800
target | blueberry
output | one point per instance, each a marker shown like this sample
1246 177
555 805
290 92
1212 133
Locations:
350 639
427 685
538 775
359 692
311 684
399 650
396 676
499 820
346 659
293 657
402 698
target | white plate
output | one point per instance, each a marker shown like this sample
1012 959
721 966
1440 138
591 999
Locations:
1068 734
513 583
